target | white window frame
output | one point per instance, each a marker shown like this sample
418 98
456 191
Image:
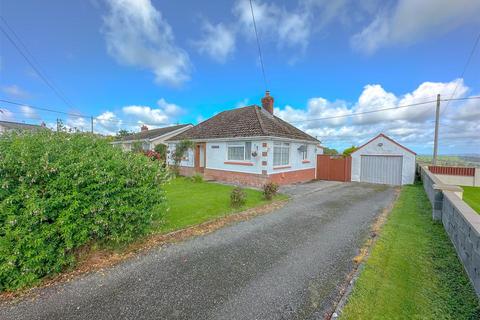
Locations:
282 146
147 145
305 153
241 144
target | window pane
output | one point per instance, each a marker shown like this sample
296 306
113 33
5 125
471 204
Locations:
248 150
236 153
277 156
305 153
285 155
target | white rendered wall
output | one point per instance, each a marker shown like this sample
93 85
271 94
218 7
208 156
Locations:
216 153
296 161
387 148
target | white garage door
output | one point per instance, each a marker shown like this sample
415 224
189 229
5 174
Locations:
381 169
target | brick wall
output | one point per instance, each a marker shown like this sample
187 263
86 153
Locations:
187 171
258 180
293 176
248 179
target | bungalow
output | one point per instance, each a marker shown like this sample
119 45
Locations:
7 126
150 138
248 146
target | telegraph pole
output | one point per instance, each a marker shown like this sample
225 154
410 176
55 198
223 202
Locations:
91 123
437 120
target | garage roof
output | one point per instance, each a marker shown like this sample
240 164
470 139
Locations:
389 139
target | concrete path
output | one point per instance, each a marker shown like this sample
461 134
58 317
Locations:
288 264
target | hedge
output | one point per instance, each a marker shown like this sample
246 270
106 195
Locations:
60 191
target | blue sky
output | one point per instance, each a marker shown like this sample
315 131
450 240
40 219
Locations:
129 62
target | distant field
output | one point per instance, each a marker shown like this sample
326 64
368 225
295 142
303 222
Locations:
456 161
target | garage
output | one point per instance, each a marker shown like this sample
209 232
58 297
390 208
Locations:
384 161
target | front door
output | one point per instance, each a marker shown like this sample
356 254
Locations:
200 157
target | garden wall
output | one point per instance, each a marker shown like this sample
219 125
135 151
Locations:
460 221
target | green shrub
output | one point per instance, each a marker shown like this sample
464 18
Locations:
60 191
197 178
270 190
178 154
238 197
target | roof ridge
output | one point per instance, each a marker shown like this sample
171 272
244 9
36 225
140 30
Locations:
260 121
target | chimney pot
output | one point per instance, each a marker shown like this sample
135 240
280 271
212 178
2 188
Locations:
267 102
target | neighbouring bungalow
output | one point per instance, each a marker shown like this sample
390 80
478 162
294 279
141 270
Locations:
7 126
249 146
149 138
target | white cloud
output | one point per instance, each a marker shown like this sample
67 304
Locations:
164 114
218 41
108 123
29 112
288 28
412 20
170 109
414 125
6 115
15 91
137 35
242 103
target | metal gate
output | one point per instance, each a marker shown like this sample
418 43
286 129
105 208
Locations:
336 168
381 169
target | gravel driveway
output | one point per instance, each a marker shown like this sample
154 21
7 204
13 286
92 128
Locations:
288 264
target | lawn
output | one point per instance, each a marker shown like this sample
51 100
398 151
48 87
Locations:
471 195
196 202
413 271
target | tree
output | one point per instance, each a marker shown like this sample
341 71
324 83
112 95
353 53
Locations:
349 151
329 151
123 133
179 153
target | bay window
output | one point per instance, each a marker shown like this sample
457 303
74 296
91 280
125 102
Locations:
281 153
239 151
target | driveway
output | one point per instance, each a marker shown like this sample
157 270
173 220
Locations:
288 264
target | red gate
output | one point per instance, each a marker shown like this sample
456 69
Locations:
336 168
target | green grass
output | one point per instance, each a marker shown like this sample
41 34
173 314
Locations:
413 271
471 195
192 203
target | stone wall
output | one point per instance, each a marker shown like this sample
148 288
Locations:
460 221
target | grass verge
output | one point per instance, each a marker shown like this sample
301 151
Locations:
413 271
471 195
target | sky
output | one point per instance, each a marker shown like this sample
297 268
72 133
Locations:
132 62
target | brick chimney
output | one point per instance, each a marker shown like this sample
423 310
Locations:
144 128
267 102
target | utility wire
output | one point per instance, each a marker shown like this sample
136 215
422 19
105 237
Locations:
31 61
258 45
79 115
379 110
464 70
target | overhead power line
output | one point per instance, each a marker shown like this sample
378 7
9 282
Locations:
29 58
258 45
79 115
380 110
465 67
